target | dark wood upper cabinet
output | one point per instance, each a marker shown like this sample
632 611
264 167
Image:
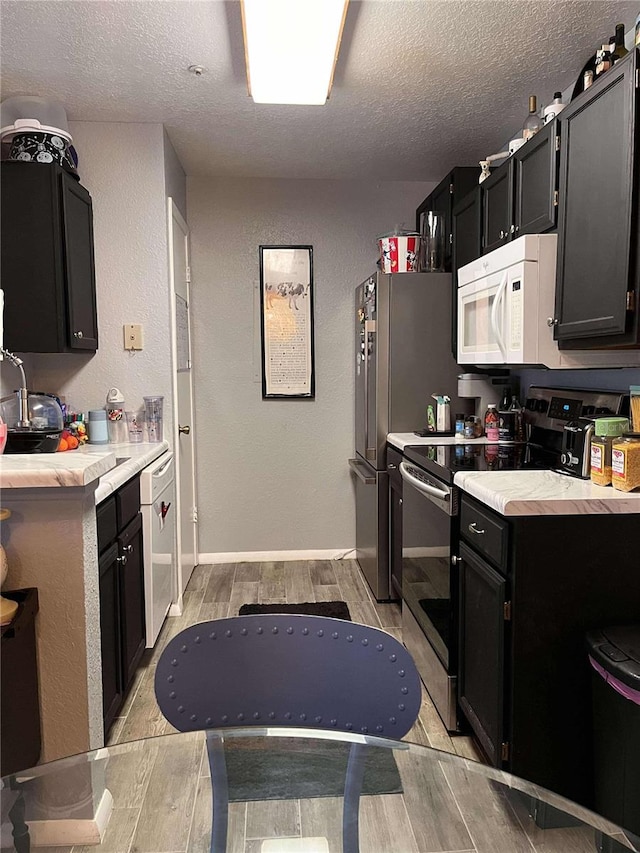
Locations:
467 246
521 196
451 189
48 272
497 207
536 181
598 271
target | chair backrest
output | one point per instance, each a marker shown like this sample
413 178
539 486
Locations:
284 670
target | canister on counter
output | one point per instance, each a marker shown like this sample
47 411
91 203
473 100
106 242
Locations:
625 462
98 433
606 431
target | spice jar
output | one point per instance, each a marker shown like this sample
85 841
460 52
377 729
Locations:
607 430
625 462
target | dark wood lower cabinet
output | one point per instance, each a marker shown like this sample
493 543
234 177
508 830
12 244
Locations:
131 571
481 687
122 617
110 635
524 675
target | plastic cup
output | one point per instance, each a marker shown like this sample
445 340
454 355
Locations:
134 426
153 417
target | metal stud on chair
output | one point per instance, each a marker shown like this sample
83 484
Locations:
292 671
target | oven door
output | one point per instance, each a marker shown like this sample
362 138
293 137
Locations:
429 585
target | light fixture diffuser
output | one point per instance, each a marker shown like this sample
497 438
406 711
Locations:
291 48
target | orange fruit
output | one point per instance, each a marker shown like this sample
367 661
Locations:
72 442
63 445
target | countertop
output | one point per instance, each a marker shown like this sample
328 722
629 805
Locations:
515 493
79 467
544 493
404 439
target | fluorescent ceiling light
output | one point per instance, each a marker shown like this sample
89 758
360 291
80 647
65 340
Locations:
291 48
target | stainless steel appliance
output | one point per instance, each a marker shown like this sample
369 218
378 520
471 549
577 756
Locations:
576 448
403 356
422 568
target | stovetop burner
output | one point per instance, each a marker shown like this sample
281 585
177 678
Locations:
446 460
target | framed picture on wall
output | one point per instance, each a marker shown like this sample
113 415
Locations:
286 321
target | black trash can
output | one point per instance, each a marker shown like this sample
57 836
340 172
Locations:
614 655
19 703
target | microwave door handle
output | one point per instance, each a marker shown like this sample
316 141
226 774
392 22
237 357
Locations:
425 488
494 315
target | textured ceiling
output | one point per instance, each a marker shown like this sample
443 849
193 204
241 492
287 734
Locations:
420 86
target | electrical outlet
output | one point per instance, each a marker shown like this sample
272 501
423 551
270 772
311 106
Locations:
133 336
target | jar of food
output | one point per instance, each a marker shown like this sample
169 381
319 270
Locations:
607 430
635 407
625 462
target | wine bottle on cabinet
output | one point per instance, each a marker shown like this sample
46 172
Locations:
619 50
533 122
603 60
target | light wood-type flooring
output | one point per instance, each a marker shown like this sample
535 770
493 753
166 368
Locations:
170 782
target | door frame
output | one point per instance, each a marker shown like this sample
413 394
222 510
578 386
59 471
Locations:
174 213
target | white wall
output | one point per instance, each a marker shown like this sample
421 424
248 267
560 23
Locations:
273 474
123 167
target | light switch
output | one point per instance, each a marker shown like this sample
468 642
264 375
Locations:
133 336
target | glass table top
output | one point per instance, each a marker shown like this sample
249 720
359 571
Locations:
285 791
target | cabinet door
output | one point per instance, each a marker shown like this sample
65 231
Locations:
535 169
112 683
497 208
77 218
467 246
395 523
481 676
598 223
131 561
32 260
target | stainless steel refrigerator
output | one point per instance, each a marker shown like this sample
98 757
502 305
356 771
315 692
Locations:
403 356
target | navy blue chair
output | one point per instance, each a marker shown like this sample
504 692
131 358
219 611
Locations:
284 670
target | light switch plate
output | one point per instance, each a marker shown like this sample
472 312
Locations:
133 336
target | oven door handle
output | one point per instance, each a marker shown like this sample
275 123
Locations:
425 488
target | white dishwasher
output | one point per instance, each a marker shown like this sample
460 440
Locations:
158 507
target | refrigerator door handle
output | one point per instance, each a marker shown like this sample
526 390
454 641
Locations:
370 328
356 467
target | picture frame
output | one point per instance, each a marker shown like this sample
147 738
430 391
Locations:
287 322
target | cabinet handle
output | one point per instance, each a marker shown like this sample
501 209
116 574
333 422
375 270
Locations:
122 560
392 467
78 335
400 501
512 230
456 561
552 321
127 548
474 529
502 234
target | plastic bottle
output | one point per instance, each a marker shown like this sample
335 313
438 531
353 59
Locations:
491 422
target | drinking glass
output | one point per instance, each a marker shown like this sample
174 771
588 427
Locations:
433 241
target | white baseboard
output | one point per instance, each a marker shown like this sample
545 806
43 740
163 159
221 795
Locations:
276 556
66 832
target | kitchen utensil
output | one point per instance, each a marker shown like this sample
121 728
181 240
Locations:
116 420
98 430
575 458
134 426
40 432
153 417
433 242
399 252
